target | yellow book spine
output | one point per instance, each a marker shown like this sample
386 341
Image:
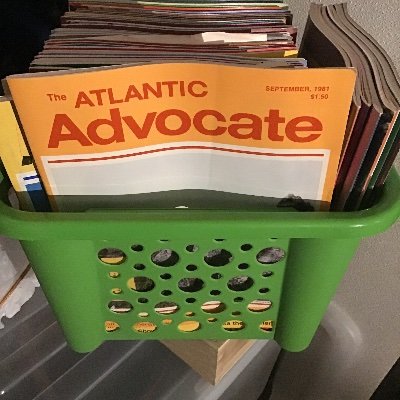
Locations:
18 162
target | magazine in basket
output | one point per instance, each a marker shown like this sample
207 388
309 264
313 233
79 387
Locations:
18 162
102 136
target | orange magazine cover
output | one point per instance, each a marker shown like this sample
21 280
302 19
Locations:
130 130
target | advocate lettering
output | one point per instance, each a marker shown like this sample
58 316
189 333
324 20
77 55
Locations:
171 122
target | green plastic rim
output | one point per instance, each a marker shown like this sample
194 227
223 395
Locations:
25 225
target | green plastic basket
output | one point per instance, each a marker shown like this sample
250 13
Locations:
190 274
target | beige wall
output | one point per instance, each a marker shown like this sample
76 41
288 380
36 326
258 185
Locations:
370 292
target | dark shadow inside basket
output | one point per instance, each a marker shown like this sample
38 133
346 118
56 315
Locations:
187 199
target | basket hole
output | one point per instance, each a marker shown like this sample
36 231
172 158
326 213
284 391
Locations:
141 284
120 306
270 255
166 292
167 321
190 300
143 314
218 257
166 307
165 258
116 291
191 248
139 267
243 266
266 326
233 325
211 319
263 290
191 267
113 274
246 247
142 300
111 256
165 276
236 313
190 284
213 307
189 314
216 276
215 292
240 283
144 327
267 274
189 326
219 240
259 305
238 299
137 247
111 326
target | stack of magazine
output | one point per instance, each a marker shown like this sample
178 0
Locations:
206 105
332 39
97 32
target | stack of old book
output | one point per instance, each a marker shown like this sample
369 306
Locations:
95 33
332 39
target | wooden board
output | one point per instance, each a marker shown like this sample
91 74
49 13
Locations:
211 359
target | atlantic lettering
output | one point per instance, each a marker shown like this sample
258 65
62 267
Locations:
138 92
